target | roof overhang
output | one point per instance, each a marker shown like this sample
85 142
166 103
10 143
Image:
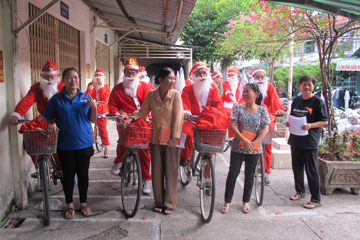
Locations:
346 8
156 21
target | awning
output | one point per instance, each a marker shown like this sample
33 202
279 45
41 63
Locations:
348 65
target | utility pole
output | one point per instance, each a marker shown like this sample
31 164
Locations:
290 80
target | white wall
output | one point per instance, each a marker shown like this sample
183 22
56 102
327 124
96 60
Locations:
15 165
6 178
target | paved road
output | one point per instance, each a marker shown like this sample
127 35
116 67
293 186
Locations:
278 218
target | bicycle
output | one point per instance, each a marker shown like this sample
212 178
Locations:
134 138
43 144
95 134
259 178
206 143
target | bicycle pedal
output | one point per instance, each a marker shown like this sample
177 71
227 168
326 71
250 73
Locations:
34 175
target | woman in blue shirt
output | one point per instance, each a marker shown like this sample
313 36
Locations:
73 111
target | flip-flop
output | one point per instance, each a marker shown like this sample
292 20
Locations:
297 196
158 209
225 209
70 211
168 209
84 209
312 205
246 209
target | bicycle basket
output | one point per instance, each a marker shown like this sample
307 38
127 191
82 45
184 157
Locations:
209 141
39 142
135 136
268 138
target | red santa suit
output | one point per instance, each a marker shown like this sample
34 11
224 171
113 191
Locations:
226 99
121 103
102 94
191 105
35 95
273 104
188 82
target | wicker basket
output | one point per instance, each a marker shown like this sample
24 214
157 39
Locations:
209 141
135 136
39 142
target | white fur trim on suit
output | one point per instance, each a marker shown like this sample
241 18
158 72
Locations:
260 70
127 67
16 115
49 73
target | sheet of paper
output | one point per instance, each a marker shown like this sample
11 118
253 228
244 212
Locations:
182 141
295 125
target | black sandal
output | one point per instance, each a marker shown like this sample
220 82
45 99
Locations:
168 209
158 209
297 196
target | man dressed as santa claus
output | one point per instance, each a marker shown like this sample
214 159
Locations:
100 91
144 77
126 98
272 102
39 93
231 89
195 98
217 80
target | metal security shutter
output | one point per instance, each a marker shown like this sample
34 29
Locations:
42 42
69 46
52 39
103 60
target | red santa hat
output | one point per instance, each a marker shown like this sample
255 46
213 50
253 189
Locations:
216 74
197 65
256 70
131 64
49 68
142 70
100 71
233 70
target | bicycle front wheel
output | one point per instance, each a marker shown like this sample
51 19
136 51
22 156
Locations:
44 180
207 189
97 140
259 180
131 185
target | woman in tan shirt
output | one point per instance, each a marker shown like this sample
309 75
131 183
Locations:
167 111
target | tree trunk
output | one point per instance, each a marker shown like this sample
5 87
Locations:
225 63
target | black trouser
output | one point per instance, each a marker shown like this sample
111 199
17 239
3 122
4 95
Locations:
75 161
307 158
236 160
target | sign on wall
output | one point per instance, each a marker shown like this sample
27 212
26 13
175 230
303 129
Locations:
1 67
64 10
87 70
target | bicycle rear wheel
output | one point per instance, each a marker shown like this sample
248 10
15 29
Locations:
130 185
259 180
43 167
207 189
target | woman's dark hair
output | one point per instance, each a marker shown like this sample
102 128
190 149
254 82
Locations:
68 70
256 89
306 78
163 73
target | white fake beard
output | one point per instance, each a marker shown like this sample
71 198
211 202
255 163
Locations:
49 88
201 89
145 79
263 87
97 86
130 87
233 82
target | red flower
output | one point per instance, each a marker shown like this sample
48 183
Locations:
248 31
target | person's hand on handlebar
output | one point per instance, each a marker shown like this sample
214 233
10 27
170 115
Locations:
51 128
13 120
125 123
279 113
187 116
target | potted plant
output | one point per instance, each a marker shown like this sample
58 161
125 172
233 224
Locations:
339 162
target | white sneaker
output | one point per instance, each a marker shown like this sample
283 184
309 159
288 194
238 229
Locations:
146 189
116 168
